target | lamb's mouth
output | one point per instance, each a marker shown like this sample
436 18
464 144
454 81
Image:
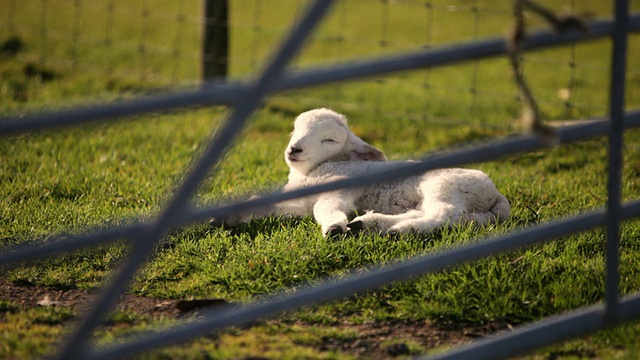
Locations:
293 159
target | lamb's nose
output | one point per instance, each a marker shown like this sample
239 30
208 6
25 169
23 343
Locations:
294 150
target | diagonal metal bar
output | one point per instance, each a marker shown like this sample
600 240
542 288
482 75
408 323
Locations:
447 55
229 93
551 331
335 289
475 154
36 249
143 247
616 132
213 94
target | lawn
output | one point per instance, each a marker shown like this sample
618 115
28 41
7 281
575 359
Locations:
108 174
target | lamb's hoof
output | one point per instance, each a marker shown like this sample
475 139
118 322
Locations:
334 232
356 225
393 233
216 222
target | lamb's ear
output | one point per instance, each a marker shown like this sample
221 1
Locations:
360 150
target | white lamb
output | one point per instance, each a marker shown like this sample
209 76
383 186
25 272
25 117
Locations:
323 149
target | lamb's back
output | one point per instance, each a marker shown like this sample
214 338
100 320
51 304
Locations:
391 197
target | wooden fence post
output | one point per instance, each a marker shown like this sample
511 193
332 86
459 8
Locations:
215 40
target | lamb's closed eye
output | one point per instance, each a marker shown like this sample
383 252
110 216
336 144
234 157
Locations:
328 141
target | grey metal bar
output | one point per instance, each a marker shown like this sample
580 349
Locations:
461 157
335 289
212 94
228 93
616 113
547 332
143 247
447 55
34 249
477 154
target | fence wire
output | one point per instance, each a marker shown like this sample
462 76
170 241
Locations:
246 96
159 44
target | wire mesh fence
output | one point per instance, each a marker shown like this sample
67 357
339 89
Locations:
247 96
90 37
119 46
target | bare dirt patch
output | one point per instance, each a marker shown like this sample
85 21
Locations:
383 340
373 340
27 296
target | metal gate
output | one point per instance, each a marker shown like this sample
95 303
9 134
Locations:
245 97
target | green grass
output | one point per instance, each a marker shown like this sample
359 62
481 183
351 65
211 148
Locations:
65 180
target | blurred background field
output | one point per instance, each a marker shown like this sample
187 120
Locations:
111 48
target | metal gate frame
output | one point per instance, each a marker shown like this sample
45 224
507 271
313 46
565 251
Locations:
245 97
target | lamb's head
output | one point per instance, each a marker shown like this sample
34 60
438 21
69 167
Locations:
323 135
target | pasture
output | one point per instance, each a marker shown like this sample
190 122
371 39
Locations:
70 179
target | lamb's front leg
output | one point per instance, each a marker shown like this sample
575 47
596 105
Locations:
331 211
